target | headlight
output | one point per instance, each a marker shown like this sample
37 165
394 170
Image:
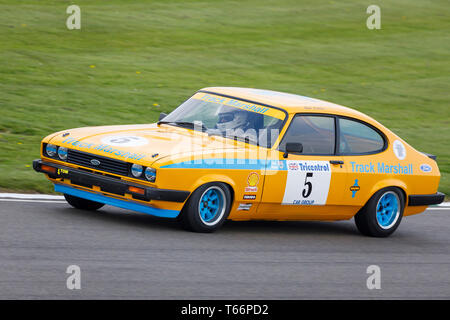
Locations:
136 170
62 153
51 150
150 174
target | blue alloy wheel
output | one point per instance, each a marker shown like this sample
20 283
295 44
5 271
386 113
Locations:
388 210
212 205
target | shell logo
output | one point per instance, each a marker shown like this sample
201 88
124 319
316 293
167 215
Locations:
253 179
252 182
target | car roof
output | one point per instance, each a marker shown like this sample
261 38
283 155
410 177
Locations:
292 103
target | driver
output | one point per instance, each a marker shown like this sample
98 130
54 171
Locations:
236 122
232 119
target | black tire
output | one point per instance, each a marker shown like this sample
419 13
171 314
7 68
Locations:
191 217
83 204
366 219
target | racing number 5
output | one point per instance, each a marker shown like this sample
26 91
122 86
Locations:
307 191
307 182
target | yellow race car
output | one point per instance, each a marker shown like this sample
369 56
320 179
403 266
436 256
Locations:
246 154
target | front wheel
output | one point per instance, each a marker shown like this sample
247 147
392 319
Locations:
82 204
207 208
382 214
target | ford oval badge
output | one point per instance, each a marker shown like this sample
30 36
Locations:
425 168
95 162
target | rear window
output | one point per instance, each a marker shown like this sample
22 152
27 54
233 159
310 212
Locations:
358 138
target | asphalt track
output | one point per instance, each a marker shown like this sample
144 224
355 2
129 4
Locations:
124 255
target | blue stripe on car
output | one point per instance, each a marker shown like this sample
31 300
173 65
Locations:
233 164
116 202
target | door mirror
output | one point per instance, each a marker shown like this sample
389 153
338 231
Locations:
292 147
162 115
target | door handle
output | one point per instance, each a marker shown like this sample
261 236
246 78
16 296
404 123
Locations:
336 162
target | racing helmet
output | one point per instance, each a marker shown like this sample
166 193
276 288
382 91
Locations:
231 118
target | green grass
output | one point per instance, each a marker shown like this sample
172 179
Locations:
399 74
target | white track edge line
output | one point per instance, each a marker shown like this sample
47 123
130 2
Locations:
30 196
32 201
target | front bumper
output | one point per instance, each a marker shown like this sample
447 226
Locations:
426 199
108 183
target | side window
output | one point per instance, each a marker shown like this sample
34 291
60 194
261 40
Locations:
315 133
358 138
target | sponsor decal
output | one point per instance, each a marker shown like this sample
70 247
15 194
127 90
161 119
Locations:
63 171
276 164
252 182
322 166
249 197
105 148
425 167
125 141
244 206
234 103
381 167
355 188
399 149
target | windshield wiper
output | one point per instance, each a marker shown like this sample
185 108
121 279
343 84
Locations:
185 124
245 139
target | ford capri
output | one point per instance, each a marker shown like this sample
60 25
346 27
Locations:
246 154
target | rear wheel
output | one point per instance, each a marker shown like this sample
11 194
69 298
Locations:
82 204
207 208
382 214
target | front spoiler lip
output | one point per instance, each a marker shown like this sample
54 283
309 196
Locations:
129 205
111 185
426 199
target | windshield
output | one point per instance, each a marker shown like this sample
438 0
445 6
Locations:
231 118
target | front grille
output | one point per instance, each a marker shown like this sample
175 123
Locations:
106 164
